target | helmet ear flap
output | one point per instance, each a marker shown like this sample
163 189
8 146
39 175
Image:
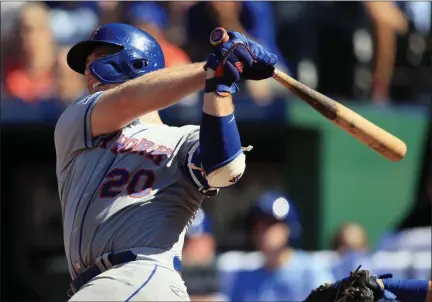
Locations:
112 69
119 67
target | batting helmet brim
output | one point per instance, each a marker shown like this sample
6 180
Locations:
77 55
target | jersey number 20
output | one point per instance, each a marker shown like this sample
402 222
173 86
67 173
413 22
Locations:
138 185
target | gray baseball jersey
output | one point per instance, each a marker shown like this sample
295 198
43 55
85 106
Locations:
122 190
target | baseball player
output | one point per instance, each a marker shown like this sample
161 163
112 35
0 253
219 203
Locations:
130 185
287 273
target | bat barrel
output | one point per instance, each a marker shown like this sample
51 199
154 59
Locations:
370 134
357 126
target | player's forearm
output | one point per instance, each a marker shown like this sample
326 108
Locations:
216 105
161 88
220 147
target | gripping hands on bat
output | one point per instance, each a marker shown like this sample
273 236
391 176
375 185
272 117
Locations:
236 57
260 63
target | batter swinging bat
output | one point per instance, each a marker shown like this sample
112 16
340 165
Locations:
351 122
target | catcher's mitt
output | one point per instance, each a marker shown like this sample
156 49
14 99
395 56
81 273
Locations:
360 286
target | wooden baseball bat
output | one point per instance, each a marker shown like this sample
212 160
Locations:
351 122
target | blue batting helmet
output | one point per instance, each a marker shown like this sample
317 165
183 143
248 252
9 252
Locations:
139 53
277 206
200 225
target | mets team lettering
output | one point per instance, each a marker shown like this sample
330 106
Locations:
143 147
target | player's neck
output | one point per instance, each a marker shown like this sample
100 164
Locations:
151 118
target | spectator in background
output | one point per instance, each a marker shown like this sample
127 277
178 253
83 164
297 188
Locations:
350 237
69 85
251 18
177 14
389 21
351 244
110 11
200 245
287 274
9 13
343 49
29 73
412 79
73 21
199 267
152 18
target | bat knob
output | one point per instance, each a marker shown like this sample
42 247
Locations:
218 36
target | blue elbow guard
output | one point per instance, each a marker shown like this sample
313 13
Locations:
219 141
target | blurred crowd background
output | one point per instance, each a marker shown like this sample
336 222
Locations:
313 204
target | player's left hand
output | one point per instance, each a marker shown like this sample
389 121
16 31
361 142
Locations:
257 62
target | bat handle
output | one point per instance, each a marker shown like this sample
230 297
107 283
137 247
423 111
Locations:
219 35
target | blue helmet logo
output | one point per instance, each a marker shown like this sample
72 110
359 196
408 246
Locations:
139 53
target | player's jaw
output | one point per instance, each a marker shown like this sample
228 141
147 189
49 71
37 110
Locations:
93 84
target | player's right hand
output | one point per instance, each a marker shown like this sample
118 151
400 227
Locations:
258 63
228 60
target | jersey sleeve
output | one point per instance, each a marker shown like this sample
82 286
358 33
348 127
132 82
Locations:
73 131
191 162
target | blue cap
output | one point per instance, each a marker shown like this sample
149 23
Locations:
277 206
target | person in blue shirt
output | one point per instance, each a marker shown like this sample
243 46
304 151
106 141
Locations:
287 274
352 249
